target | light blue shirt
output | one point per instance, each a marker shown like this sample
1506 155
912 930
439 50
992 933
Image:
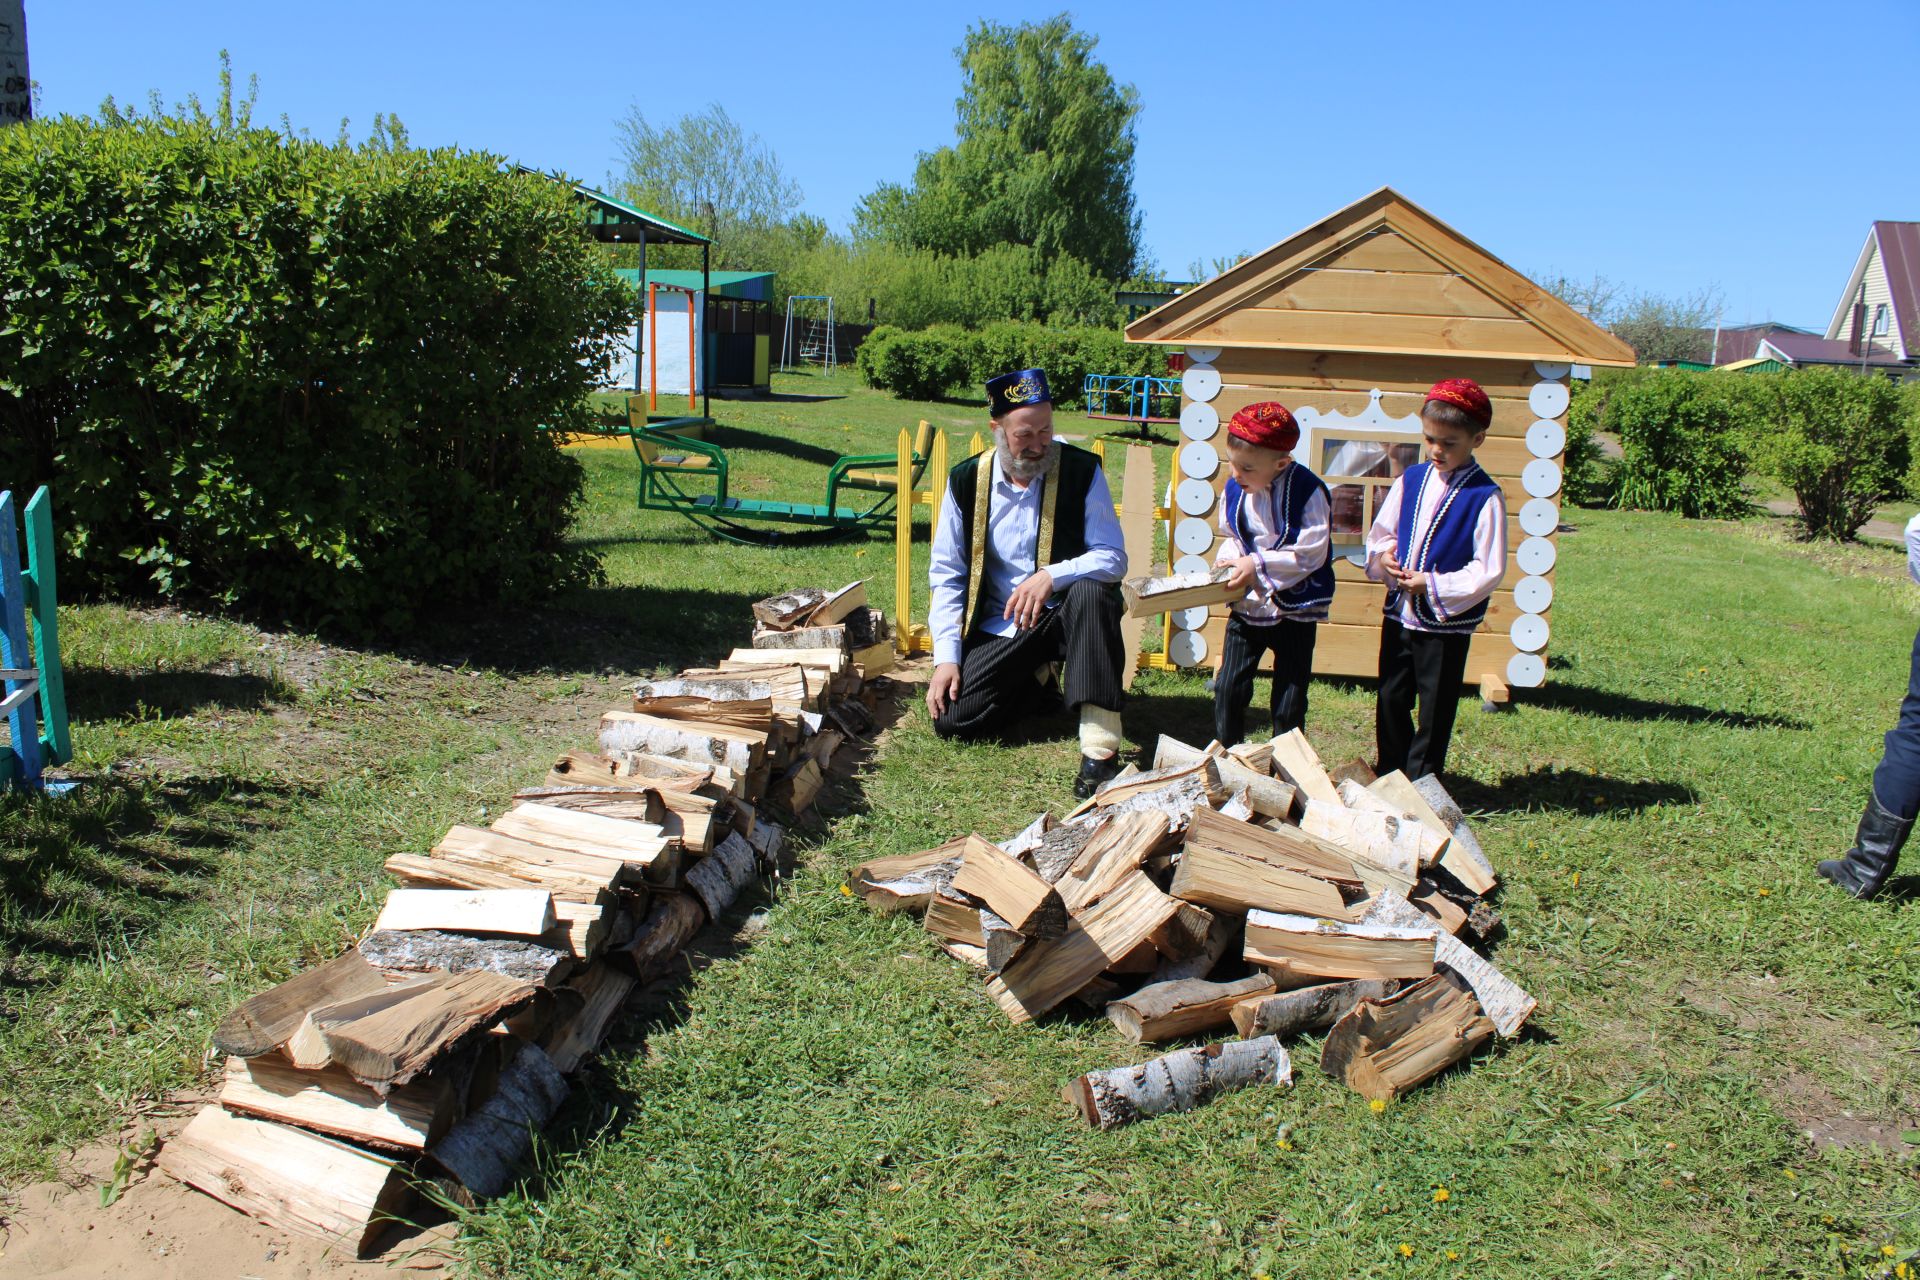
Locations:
1913 548
1013 526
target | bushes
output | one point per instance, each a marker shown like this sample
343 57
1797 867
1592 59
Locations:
1680 439
931 362
1835 438
298 378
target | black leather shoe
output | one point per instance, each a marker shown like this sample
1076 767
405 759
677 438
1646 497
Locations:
1094 773
1876 847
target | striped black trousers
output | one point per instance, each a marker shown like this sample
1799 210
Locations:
998 684
1427 666
1292 645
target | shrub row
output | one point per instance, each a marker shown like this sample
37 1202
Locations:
1841 442
926 363
302 379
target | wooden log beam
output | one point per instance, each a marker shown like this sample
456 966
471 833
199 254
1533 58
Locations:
1385 1047
1304 1009
1168 1010
409 1118
288 1178
481 1152
1302 950
1178 1081
266 1021
427 950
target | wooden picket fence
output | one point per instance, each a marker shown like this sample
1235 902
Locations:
33 696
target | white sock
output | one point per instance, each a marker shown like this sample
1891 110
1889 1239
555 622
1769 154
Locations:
1099 732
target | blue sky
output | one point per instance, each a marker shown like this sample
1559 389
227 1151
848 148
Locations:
1668 147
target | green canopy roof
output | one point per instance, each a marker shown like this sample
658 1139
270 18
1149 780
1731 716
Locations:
615 221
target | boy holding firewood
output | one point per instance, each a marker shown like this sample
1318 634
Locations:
1439 543
1276 520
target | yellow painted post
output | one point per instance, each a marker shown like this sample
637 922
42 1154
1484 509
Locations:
903 544
974 447
1100 450
938 464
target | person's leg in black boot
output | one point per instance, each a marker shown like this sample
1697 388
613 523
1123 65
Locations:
1892 806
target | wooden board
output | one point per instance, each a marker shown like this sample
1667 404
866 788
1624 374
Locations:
1136 531
1356 289
409 1118
516 912
288 1178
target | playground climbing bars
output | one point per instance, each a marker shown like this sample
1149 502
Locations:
33 696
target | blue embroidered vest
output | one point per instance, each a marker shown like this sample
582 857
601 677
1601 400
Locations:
1447 542
1307 599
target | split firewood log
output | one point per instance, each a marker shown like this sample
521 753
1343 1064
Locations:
410 1118
1304 1009
1503 1000
481 1152
426 950
1168 1010
669 926
266 1021
719 878
1295 760
1047 972
1385 1047
1014 890
1178 1081
1302 950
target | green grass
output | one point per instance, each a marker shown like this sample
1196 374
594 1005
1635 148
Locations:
840 1098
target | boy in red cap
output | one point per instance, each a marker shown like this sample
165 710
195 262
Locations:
1439 542
1276 526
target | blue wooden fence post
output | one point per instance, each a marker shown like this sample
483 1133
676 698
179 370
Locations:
15 653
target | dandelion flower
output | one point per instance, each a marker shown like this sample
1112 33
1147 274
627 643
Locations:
1790 1173
1286 1144
1452 1256
1406 1250
1576 879
666 1242
1903 1271
1377 1106
845 891
1887 1251
1441 1195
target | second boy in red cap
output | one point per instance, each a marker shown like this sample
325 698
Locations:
1277 534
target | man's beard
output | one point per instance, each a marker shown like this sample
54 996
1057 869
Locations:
1025 469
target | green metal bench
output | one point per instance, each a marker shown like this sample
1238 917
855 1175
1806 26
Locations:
690 477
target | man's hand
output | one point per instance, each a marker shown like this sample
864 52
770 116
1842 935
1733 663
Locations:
1029 600
1242 576
944 689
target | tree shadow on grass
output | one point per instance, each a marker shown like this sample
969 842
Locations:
1549 787
1606 704
795 397
97 693
81 870
770 441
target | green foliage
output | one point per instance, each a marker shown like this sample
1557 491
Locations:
1910 415
1589 475
1044 157
1681 439
931 362
706 173
1834 437
298 378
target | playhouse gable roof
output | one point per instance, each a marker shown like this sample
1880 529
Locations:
1381 276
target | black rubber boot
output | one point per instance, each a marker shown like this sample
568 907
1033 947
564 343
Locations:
1876 847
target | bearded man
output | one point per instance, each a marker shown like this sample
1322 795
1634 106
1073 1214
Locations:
1026 559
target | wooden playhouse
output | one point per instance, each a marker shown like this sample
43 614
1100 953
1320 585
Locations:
1348 323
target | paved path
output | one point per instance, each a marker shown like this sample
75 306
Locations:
1882 530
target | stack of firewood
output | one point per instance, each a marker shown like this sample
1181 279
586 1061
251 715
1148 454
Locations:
429 1054
1244 887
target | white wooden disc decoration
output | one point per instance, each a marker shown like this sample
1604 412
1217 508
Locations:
1199 459
1541 478
1193 535
1533 594
1549 369
1190 619
1187 649
1539 517
1203 355
1535 556
1526 671
1199 421
1529 632
1195 497
1202 382
1547 399
1191 564
1546 438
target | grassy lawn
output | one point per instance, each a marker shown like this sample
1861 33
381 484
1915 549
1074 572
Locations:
841 1099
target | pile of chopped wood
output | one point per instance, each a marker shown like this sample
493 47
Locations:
1241 886
433 1051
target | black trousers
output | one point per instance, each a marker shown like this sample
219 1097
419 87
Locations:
997 680
1896 781
1292 647
1431 665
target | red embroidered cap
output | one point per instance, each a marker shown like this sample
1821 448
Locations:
1267 424
1464 394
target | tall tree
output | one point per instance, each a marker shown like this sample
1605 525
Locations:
1044 156
707 173
16 84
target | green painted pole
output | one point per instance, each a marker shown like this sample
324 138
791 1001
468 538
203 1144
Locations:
23 727
45 624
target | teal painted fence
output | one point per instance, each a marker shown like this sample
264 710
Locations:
32 689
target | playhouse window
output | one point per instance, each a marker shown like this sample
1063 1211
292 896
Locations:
1359 469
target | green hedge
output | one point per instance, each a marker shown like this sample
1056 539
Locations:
1837 439
944 359
301 379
